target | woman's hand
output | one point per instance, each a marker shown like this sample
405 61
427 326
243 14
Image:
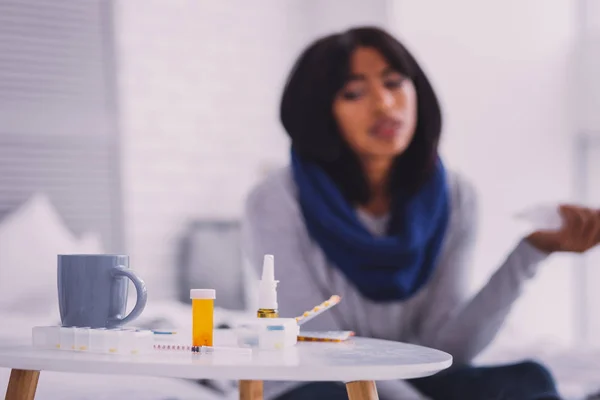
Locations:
579 233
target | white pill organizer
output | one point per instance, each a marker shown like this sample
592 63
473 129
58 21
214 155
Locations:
103 341
269 333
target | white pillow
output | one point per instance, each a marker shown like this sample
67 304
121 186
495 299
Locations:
31 237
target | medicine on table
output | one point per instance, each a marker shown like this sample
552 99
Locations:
203 302
269 333
105 341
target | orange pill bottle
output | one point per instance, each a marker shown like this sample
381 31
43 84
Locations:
203 306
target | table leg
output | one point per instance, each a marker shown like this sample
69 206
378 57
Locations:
362 390
22 384
251 390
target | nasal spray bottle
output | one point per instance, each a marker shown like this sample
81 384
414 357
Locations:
267 291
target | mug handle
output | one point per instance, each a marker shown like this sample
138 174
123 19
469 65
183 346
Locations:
140 288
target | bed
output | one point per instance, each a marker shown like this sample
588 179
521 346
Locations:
30 237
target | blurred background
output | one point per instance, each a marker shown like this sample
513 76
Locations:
139 126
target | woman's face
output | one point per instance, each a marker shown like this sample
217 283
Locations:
376 111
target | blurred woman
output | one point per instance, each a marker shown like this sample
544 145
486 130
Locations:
367 210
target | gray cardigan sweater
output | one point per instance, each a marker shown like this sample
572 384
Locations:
438 316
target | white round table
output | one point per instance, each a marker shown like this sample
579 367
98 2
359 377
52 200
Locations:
358 362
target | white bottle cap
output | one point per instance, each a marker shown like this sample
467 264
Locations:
205 294
267 292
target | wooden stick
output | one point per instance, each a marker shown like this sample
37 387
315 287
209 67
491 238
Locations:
362 390
251 390
22 384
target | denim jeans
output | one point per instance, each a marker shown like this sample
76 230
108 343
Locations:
523 381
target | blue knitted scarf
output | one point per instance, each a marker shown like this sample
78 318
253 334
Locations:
387 268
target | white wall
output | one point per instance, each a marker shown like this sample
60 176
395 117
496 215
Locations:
200 83
503 72
590 13
589 162
589 65
589 83
591 266
330 16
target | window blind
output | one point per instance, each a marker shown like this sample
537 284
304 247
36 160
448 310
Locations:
57 111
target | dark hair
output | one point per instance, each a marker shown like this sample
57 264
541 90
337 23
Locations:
307 112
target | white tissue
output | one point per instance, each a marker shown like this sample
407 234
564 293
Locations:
542 217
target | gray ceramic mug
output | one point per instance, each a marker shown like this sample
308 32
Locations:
92 290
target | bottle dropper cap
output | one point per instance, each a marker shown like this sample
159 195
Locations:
267 292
